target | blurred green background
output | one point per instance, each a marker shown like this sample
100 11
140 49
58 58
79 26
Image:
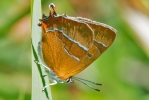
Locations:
123 69
15 50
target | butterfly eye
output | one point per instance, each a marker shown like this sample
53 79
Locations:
69 80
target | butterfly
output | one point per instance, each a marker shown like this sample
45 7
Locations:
71 44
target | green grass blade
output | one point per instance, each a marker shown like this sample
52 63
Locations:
38 81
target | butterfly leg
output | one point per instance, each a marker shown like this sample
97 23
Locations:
41 64
54 82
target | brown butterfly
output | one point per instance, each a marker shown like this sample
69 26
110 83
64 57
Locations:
70 44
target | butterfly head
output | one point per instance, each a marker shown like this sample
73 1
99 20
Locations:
52 9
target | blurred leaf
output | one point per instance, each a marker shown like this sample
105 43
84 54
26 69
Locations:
11 14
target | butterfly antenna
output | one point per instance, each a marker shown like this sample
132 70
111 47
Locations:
87 81
86 84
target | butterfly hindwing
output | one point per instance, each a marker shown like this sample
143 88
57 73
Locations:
104 36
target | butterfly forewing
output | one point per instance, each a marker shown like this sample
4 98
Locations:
64 47
74 37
